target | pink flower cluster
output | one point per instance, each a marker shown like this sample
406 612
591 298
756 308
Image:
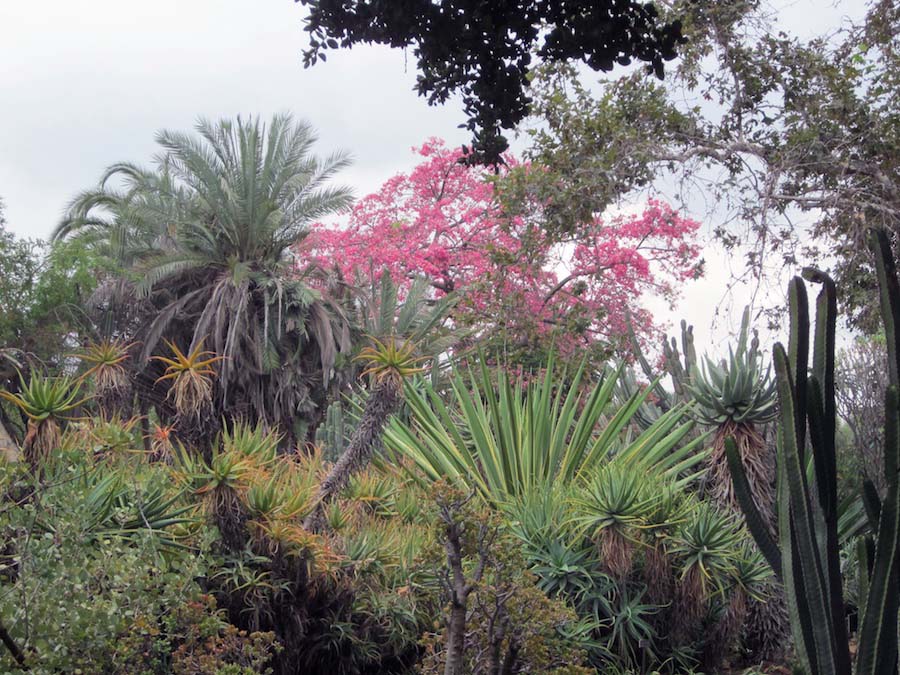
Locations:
442 221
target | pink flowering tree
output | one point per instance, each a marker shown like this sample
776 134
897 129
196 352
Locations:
518 288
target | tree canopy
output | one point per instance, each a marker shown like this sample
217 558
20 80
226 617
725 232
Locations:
483 50
518 288
206 235
793 142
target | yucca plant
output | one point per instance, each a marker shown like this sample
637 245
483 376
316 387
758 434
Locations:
191 374
504 438
46 402
387 363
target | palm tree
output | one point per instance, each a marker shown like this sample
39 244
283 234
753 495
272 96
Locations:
206 239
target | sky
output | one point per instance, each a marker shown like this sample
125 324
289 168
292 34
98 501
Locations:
86 84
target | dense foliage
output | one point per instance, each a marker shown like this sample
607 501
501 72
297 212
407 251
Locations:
205 237
518 288
247 426
792 144
488 60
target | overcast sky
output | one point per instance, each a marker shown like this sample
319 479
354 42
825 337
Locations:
85 84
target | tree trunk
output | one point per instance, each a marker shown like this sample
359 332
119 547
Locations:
382 403
456 640
459 588
11 645
765 631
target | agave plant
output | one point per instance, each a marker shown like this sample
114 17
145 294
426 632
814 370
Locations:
46 401
191 376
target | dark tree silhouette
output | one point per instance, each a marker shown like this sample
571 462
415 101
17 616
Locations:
483 50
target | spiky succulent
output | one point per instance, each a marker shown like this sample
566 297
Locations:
43 398
105 361
192 375
708 540
611 507
46 401
737 389
390 360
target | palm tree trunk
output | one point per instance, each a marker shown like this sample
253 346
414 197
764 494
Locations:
382 403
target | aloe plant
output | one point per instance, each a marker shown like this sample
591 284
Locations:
46 402
806 552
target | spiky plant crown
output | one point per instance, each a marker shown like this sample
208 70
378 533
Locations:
752 573
192 375
736 390
611 507
708 543
105 359
45 397
390 361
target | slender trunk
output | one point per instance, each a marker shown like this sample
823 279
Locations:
458 586
456 639
13 648
765 630
511 660
382 403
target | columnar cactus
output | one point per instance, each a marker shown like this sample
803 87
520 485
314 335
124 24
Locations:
805 553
